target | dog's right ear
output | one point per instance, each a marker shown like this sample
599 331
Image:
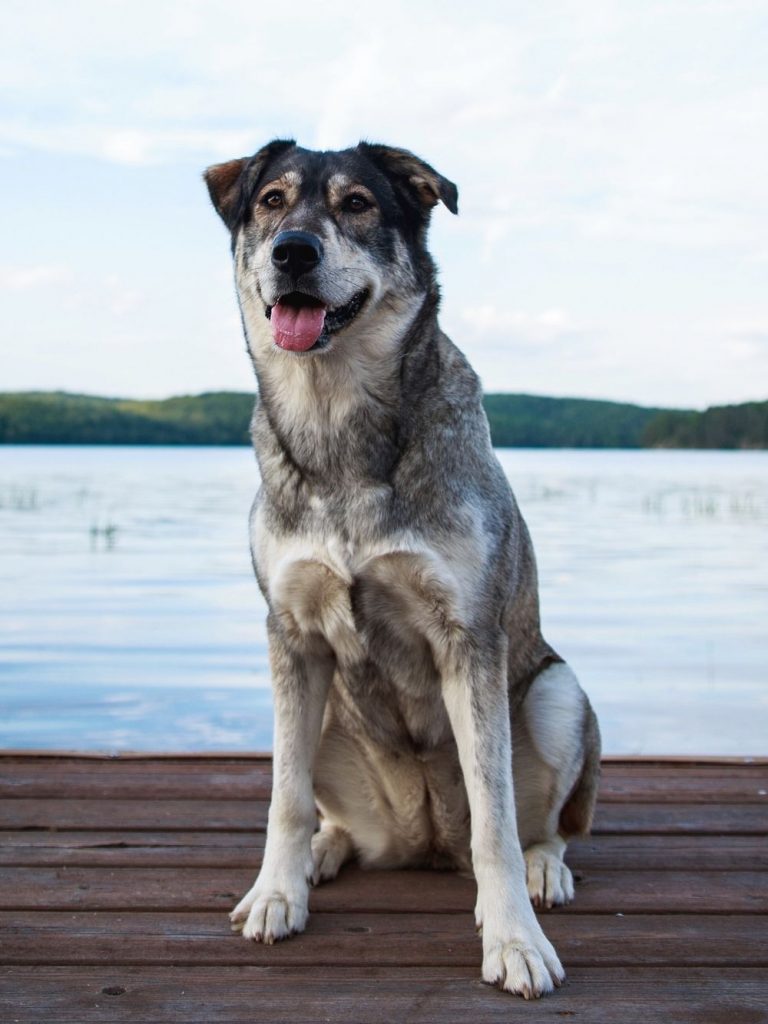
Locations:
231 185
414 177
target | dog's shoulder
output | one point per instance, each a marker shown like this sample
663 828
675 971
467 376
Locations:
448 436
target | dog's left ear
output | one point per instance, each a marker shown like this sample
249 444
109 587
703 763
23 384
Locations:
413 174
223 181
231 184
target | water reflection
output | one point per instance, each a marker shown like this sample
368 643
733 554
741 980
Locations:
129 618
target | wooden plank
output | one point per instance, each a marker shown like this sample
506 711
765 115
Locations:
681 818
266 755
746 768
246 815
237 815
684 759
138 849
599 891
243 850
69 778
149 940
373 995
125 756
343 940
668 852
694 785
242 779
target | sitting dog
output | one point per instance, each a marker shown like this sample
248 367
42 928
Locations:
417 704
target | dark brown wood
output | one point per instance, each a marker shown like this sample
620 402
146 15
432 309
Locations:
681 818
231 779
600 891
345 940
53 848
116 876
247 815
686 760
145 780
50 847
133 815
673 785
373 995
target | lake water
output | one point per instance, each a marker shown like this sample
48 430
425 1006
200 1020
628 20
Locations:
130 620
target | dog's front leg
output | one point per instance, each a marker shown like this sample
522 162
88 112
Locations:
276 905
517 956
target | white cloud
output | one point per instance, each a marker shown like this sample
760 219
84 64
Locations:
488 320
610 159
23 278
127 147
643 124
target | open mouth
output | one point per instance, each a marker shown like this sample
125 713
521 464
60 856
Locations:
302 323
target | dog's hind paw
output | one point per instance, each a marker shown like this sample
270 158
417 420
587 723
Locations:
267 917
331 847
549 879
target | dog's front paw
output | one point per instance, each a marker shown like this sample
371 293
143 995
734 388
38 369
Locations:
523 968
548 878
267 914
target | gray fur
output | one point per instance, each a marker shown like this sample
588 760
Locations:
399 575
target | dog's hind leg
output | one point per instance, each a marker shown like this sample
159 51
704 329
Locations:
331 848
373 804
556 758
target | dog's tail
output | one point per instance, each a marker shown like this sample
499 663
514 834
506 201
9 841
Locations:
578 810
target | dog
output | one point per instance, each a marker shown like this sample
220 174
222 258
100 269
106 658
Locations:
417 705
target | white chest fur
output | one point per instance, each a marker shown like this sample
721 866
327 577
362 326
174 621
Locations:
419 588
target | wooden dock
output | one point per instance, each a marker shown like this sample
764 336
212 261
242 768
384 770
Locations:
116 876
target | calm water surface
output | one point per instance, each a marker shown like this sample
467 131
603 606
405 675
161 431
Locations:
129 617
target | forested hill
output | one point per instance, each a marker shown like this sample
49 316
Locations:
516 420
531 421
54 417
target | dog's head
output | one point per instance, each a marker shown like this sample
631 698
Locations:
327 242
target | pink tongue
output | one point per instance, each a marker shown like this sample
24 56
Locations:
296 329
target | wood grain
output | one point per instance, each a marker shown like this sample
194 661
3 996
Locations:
116 876
600 891
67 778
373 994
346 939
247 815
54 848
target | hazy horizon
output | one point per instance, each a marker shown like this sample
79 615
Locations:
195 394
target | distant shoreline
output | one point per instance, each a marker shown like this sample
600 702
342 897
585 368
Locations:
516 420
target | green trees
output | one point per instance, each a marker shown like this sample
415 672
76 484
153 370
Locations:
537 422
59 418
38 417
722 426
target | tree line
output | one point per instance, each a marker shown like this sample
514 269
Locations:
222 418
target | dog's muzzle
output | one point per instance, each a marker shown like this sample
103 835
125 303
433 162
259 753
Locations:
300 320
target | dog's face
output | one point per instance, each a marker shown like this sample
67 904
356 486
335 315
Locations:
326 244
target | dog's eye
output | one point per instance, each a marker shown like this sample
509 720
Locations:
274 200
355 203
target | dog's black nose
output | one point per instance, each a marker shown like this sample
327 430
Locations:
296 252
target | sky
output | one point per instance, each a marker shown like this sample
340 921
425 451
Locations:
611 159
